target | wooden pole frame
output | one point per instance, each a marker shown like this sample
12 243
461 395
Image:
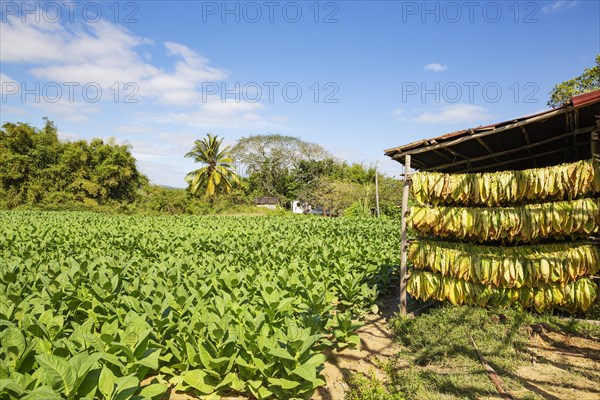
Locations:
399 153
595 140
403 242
527 147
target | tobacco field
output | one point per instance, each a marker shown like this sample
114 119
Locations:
94 306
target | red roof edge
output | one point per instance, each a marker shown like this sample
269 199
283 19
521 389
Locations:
586 98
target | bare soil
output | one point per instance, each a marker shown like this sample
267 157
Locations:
377 345
562 367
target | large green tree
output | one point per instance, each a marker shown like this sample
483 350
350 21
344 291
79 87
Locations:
217 172
270 161
35 167
588 81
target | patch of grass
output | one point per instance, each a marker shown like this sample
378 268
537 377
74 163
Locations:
594 312
571 326
442 363
443 334
368 387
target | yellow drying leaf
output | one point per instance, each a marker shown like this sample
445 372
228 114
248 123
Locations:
539 301
544 270
561 182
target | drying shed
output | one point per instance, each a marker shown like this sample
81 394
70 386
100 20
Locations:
551 137
566 134
267 202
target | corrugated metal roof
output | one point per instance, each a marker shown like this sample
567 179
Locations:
543 135
266 200
586 98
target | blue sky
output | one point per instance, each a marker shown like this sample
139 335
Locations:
356 77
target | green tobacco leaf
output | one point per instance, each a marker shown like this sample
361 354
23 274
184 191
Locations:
307 372
83 363
112 359
282 353
42 393
126 387
88 386
150 359
13 342
354 339
59 374
153 390
8 384
106 383
186 293
199 380
285 384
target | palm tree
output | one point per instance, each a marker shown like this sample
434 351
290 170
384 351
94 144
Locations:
217 172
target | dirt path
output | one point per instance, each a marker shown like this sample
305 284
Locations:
376 346
562 367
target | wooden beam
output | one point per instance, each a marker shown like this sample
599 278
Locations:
595 141
455 153
528 142
492 374
416 164
525 134
403 246
439 153
502 153
493 131
487 148
527 157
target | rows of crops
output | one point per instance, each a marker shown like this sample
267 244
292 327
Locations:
100 307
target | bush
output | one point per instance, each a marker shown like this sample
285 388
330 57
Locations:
357 210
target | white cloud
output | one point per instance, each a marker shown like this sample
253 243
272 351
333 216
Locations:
75 111
13 110
69 136
8 83
559 5
164 144
435 67
454 113
136 129
399 114
162 173
215 113
105 53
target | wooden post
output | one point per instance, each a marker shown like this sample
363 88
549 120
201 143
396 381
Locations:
376 191
595 140
403 249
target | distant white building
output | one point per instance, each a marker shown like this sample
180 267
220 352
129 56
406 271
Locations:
299 207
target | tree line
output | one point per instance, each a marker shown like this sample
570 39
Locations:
289 169
38 170
36 167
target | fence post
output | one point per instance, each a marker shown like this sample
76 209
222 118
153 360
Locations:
403 266
595 140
